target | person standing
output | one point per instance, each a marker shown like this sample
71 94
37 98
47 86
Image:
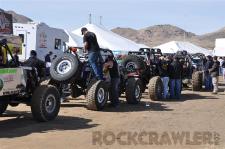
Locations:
175 71
48 63
214 72
207 76
15 55
113 67
221 68
164 75
33 61
94 57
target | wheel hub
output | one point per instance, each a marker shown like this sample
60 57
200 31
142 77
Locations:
63 67
101 95
131 66
50 103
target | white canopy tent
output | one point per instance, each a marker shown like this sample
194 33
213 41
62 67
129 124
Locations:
143 45
219 49
174 46
74 40
109 40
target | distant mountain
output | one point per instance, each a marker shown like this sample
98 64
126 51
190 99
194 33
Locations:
154 35
159 34
17 18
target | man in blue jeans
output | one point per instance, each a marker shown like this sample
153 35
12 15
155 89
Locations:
175 69
94 57
164 75
208 78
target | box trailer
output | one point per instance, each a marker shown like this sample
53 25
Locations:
219 49
41 38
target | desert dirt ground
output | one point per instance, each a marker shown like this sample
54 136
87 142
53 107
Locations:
76 127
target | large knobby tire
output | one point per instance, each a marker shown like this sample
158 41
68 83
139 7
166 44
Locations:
45 103
155 88
3 105
133 90
197 82
97 96
64 68
133 63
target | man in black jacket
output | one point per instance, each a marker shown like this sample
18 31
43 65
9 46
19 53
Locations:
33 61
208 78
214 72
175 71
164 75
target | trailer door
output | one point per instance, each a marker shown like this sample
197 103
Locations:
23 35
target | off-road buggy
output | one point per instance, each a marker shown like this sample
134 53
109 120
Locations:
198 60
73 69
144 63
192 69
197 76
186 62
21 84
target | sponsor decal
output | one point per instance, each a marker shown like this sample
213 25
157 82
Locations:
8 71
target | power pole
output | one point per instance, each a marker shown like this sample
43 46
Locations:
90 18
100 21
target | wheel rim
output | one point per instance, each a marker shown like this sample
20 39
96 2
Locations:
63 67
137 92
50 103
101 95
131 66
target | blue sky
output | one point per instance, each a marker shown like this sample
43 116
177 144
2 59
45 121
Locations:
198 16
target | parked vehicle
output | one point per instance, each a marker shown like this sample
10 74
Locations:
21 84
41 38
145 64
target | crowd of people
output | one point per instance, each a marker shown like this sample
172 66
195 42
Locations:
172 70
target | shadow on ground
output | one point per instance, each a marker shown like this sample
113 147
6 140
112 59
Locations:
24 124
192 96
74 104
142 106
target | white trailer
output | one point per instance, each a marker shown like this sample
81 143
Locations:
219 49
41 38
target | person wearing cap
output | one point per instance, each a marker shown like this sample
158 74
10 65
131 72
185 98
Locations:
92 48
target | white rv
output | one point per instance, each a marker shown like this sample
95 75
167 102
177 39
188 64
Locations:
41 38
219 49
